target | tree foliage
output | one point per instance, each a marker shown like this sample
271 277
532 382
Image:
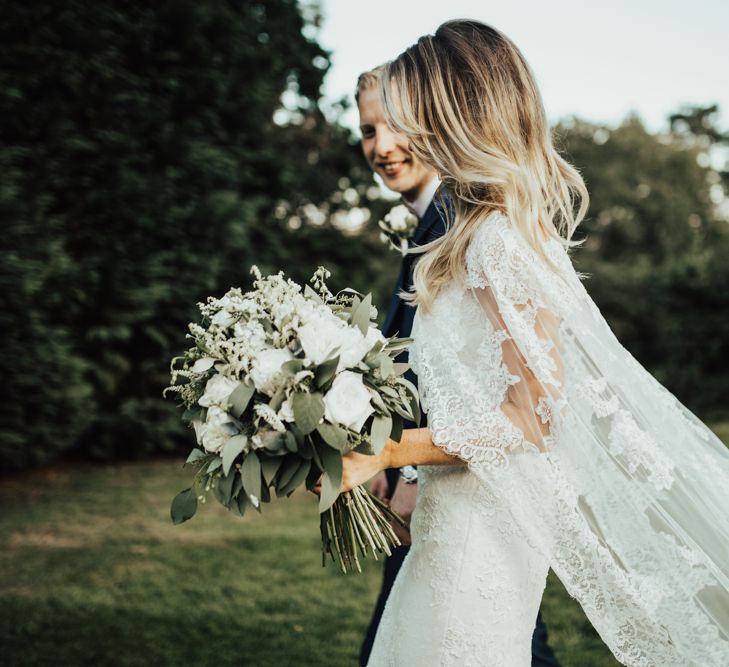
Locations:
656 242
142 170
151 152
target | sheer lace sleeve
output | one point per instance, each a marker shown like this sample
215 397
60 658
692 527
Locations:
606 473
498 390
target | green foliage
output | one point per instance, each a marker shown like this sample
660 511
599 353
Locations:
656 248
91 553
142 171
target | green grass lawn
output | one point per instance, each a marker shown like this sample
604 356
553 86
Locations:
92 572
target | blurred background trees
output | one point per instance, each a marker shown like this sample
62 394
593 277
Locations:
151 153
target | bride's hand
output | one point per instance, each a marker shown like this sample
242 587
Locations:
358 468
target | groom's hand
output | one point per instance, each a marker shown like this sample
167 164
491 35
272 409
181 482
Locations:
403 502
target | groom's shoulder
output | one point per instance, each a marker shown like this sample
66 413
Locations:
436 217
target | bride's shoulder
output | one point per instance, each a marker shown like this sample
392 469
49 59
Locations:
494 232
497 248
493 239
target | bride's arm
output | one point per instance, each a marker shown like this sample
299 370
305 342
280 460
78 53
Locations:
415 448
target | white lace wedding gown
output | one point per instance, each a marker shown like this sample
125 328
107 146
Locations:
577 460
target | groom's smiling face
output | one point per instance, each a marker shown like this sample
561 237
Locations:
387 152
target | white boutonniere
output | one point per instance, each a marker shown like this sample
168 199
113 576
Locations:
398 227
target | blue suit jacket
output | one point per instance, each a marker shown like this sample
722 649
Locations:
400 315
399 319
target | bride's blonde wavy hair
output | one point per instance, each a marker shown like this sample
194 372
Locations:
467 101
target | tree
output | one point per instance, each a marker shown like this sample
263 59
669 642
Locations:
654 251
142 171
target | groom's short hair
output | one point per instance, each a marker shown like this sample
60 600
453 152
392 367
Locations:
368 80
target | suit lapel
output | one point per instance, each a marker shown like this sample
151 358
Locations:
430 227
426 224
395 304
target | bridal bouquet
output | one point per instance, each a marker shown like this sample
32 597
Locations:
280 383
398 227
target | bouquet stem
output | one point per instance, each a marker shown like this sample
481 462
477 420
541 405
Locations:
357 523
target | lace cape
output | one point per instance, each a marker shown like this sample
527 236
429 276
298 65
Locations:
618 484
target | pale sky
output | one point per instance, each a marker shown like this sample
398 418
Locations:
596 60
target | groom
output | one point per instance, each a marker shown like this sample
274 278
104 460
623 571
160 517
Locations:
388 155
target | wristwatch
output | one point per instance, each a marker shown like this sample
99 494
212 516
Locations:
409 474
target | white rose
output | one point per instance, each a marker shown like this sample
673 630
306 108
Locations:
266 368
348 401
217 390
374 335
216 431
354 349
323 334
359 346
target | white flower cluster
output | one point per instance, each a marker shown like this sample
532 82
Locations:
398 227
271 340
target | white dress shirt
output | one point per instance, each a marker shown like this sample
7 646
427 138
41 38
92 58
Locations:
420 205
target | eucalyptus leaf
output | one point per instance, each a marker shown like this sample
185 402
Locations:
300 438
274 442
312 479
364 448
398 344
215 464
329 493
332 460
251 474
299 476
190 414
292 367
270 466
195 455
232 448
377 347
265 495
389 391
414 399
381 428
242 503
308 410
237 486
224 488
335 436
386 366
317 458
400 368
326 371
397 427
287 471
309 293
240 398
184 506
361 314
377 400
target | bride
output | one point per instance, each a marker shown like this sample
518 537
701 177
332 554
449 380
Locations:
548 445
